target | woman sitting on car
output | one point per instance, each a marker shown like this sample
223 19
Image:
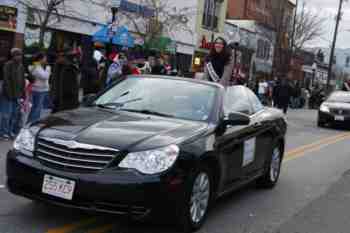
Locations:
219 63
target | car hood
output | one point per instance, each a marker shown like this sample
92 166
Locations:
120 130
338 105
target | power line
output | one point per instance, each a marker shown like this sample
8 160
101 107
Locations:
339 15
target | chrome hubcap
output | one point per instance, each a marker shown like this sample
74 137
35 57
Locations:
275 165
200 197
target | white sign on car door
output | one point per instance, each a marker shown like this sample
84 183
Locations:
249 151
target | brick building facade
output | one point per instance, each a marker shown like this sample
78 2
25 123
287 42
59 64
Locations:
258 10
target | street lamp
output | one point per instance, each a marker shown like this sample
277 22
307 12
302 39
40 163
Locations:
112 29
115 5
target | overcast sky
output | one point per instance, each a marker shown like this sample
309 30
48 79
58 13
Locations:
328 8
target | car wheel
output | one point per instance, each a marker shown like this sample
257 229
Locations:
320 124
197 200
271 176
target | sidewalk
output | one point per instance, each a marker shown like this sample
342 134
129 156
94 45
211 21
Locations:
328 214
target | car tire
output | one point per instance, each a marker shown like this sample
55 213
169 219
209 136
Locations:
199 189
271 176
320 124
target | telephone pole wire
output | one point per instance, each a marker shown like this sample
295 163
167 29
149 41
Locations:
339 15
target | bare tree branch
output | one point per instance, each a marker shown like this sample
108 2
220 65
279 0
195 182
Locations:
309 26
167 18
49 12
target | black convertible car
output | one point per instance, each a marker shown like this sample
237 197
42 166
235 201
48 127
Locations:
150 145
335 110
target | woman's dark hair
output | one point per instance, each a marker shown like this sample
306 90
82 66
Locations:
225 54
38 57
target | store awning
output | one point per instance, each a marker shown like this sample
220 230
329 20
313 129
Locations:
121 36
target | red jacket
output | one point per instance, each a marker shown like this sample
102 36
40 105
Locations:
135 71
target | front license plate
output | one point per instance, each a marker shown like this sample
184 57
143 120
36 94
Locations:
339 118
58 187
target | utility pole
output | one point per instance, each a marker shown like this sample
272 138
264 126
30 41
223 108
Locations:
339 15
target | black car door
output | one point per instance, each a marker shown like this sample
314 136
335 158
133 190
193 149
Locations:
235 141
263 138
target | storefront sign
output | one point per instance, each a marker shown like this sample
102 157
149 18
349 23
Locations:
8 18
204 44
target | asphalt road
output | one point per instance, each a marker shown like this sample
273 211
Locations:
313 195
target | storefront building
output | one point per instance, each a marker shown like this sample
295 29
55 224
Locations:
258 39
11 26
243 43
88 17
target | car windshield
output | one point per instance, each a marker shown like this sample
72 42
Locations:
340 97
162 97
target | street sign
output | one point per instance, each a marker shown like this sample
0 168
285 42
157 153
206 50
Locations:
114 27
115 3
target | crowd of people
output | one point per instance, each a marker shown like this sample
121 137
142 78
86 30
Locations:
284 94
26 91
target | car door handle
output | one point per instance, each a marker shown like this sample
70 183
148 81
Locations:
257 125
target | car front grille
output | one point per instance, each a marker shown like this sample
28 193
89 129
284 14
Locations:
344 112
73 156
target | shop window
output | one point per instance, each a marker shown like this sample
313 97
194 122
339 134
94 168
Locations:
264 49
6 42
267 50
260 50
211 15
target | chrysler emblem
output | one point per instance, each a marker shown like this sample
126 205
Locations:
77 145
71 144
340 111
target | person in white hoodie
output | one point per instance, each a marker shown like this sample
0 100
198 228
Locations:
40 72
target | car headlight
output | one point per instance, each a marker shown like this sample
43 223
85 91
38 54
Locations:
153 161
25 142
324 108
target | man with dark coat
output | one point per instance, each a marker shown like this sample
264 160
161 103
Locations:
282 94
65 83
275 92
13 92
90 78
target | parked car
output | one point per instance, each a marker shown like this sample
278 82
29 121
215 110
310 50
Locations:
150 145
335 110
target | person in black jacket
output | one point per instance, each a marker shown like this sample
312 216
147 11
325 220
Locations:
275 91
65 83
158 68
282 94
3 60
90 80
13 92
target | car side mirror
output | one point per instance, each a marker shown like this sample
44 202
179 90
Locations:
237 119
88 100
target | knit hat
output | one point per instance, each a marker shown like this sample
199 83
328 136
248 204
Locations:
16 52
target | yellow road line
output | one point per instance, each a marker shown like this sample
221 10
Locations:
299 152
74 226
290 155
324 140
102 229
